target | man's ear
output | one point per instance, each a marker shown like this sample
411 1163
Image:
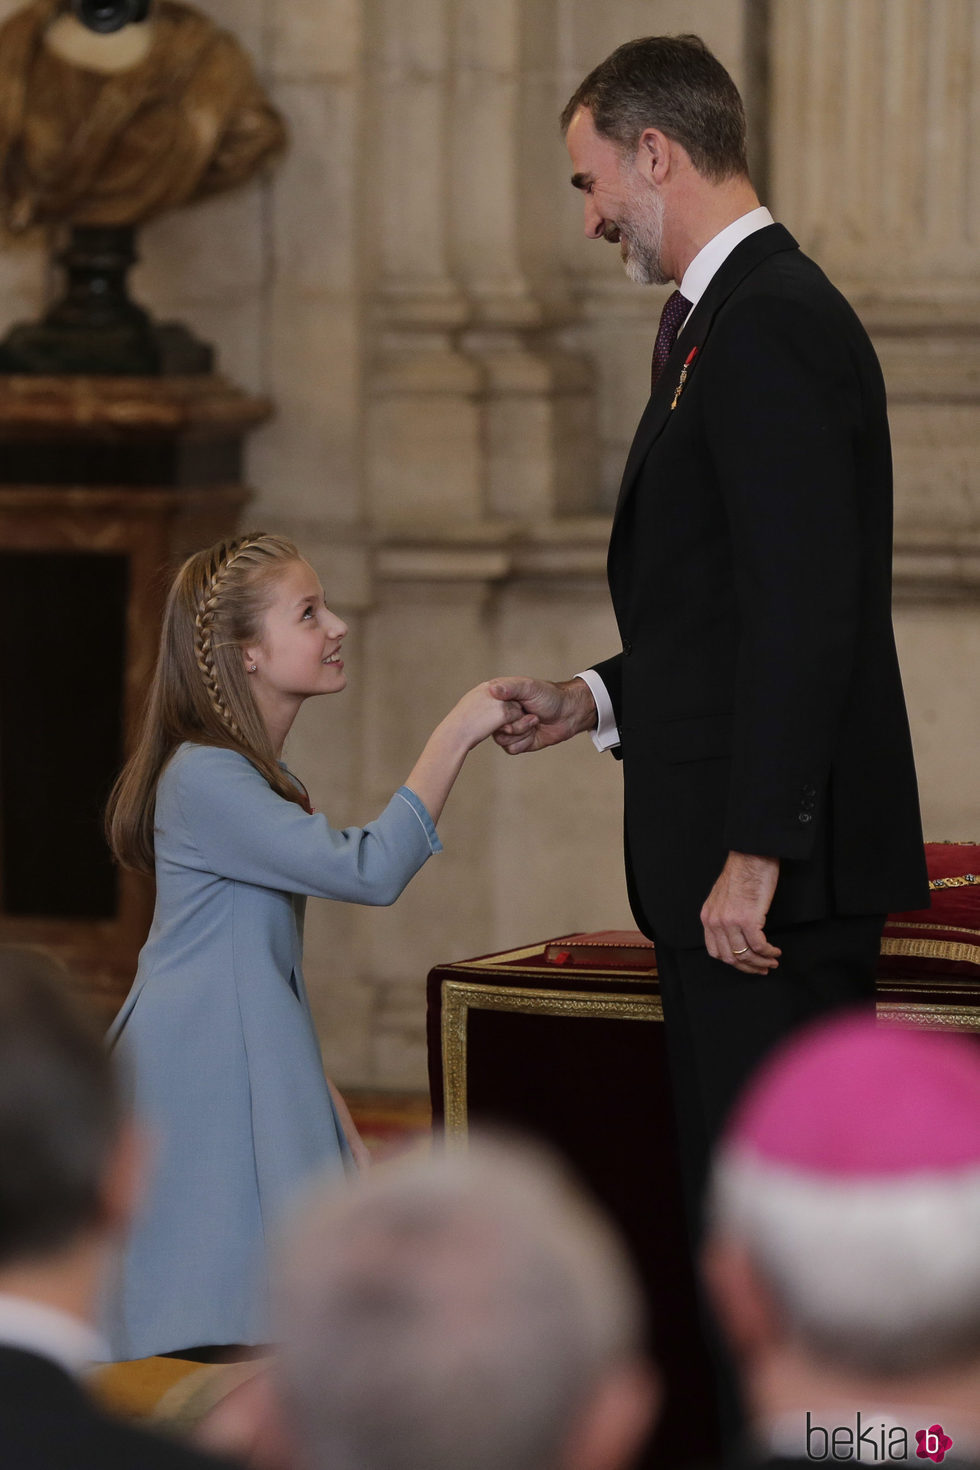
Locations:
743 1303
607 1434
655 154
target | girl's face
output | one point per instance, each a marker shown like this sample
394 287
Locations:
298 653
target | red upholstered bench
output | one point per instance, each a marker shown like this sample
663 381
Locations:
943 939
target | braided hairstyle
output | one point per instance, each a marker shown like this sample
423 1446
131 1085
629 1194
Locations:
227 556
200 690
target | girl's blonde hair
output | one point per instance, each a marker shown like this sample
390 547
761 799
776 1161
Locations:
200 690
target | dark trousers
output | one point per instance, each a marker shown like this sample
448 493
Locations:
720 1024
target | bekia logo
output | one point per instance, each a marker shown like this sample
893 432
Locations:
873 1441
932 1443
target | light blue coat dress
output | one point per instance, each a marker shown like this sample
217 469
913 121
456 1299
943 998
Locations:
218 1043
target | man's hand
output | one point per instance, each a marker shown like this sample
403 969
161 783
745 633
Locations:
552 712
735 912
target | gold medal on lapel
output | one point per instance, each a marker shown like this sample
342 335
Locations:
683 377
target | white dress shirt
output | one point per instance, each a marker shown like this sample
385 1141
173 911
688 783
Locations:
50 1333
697 278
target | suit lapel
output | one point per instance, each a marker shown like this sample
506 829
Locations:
756 248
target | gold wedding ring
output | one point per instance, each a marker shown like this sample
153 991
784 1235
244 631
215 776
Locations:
741 951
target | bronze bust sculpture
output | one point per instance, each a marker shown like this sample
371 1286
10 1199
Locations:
115 147
103 132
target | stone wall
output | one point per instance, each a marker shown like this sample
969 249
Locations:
458 372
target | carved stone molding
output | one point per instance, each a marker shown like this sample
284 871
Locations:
932 566
565 550
943 569
930 365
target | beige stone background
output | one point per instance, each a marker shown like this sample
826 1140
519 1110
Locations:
457 372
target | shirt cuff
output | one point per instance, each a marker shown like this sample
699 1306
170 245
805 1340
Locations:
606 733
422 812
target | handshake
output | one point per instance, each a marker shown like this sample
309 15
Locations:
550 712
521 714
531 714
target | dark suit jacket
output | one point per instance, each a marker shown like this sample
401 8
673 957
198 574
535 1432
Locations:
758 694
48 1422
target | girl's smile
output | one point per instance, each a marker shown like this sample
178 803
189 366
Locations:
298 652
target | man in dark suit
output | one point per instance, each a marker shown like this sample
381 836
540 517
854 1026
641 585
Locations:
770 798
68 1171
842 1251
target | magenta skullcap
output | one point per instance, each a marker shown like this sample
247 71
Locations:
853 1098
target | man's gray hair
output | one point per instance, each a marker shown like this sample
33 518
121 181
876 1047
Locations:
879 1276
672 83
450 1310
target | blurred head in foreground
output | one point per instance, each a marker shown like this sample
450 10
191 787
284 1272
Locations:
466 1308
844 1243
67 1162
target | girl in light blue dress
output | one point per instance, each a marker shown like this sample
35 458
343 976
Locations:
216 1034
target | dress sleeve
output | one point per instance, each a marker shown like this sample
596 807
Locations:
234 825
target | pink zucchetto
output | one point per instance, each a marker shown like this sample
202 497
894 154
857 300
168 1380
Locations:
853 1098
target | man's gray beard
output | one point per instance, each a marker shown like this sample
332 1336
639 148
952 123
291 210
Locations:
644 237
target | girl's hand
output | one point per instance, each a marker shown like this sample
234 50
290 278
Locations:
479 714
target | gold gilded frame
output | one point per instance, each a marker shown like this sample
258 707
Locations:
930 1017
459 997
933 949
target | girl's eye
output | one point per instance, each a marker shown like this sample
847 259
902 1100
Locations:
308 612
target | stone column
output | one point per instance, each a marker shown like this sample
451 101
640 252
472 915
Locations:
423 431
507 169
875 151
875 155
875 113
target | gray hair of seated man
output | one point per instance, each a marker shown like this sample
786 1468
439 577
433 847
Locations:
879 1277
849 1179
458 1309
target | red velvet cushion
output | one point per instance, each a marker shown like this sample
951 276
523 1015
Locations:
944 938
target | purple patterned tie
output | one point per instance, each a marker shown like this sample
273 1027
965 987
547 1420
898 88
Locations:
676 308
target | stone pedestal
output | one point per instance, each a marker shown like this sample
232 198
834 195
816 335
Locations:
104 485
